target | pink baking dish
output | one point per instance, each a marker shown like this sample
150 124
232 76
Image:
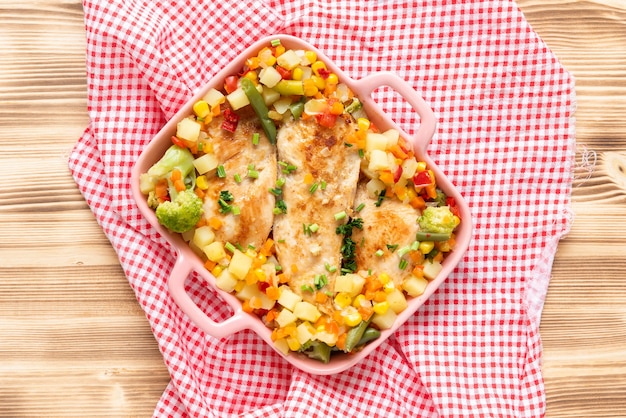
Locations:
187 261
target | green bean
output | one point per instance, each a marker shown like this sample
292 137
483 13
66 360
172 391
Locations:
431 236
260 108
370 334
354 336
290 87
296 109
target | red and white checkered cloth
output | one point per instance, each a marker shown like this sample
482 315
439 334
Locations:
505 138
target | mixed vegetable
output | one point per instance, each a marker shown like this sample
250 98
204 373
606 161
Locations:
280 84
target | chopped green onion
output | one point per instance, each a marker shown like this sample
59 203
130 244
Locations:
392 247
237 178
255 138
323 185
280 182
415 246
360 207
286 167
361 153
340 215
276 191
403 251
280 207
252 172
320 281
381 197
329 268
347 144
313 188
278 268
275 42
221 171
230 247
379 253
314 228
235 210
306 288
403 264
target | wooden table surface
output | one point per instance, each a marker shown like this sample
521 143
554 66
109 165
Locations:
73 339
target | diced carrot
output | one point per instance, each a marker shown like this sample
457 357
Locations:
294 268
417 202
272 292
398 152
209 265
341 341
161 188
380 296
308 178
418 271
431 190
215 223
267 248
366 312
245 306
199 192
179 185
282 278
320 297
201 222
176 175
386 177
271 315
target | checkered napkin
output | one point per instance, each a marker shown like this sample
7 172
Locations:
505 138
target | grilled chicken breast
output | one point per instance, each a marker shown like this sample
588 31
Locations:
237 153
321 183
394 223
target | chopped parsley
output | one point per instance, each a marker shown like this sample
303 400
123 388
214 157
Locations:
348 246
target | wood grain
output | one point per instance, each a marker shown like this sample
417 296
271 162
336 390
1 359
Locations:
75 342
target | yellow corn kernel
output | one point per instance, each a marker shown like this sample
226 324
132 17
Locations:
352 319
332 79
252 76
457 220
240 285
319 82
297 73
250 253
343 300
310 89
358 301
363 124
260 275
381 307
336 108
317 66
201 109
426 247
217 270
253 63
311 56
293 343
202 182
384 278
421 166
389 287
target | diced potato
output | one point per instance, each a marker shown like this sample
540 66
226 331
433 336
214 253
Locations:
286 317
282 105
269 95
206 163
432 269
257 298
306 311
397 301
414 286
386 320
238 99
203 236
326 337
289 59
374 187
240 264
304 332
392 136
349 283
282 345
214 251
288 298
226 281
269 76
188 130
409 166
214 97
378 160
375 141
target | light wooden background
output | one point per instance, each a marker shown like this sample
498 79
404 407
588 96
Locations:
74 341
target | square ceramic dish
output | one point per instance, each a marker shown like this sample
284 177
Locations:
187 261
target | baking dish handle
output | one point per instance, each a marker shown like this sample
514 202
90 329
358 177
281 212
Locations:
428 122
176 284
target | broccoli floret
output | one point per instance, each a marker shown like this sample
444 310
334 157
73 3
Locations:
181 214
174 158
438 220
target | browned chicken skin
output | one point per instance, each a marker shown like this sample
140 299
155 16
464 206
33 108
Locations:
330 168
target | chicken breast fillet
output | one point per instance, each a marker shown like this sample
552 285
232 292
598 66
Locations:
321 183
236 152
392 224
